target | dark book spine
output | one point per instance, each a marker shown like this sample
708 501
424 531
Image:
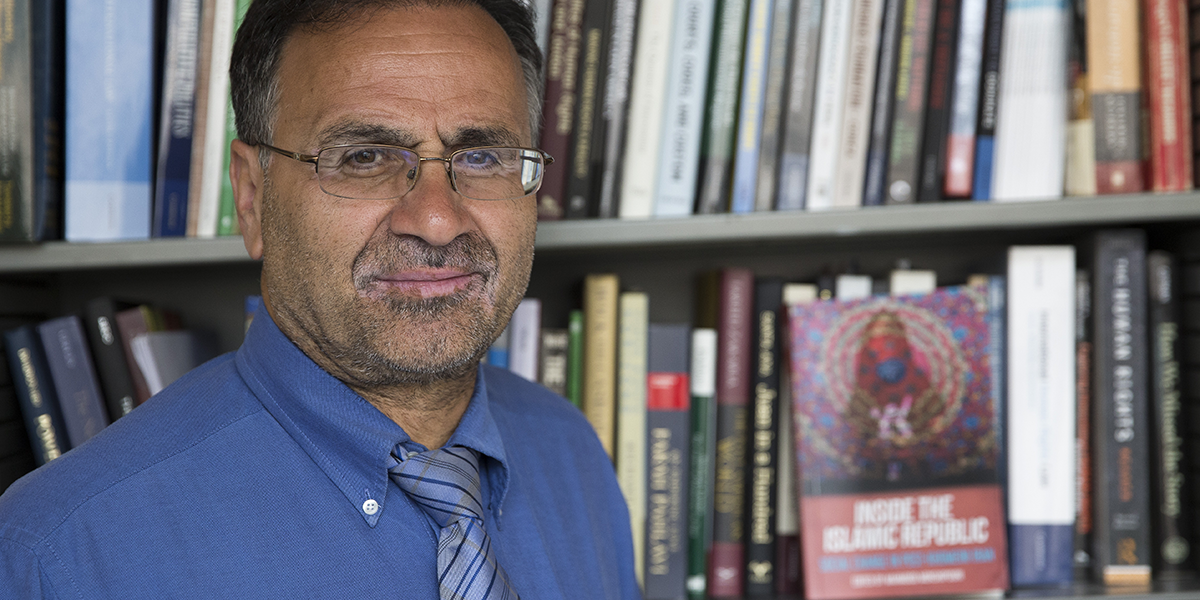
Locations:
616 102
112 365
726 570
668 432
587 151
16 137
772 112
176 118
1171 534
881 115
720 124
1120 434
762 443
908 117
704 422
938 107
39 403
1083 425
48 32
74 378
989 96
566 30
798 106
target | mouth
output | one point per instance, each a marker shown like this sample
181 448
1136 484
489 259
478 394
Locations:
423 283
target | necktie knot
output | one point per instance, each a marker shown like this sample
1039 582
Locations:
443 482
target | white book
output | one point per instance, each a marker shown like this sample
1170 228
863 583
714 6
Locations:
1031 116
687 86
1041 391
647 96
830 103
632 339
855 135
799 293
523 339
852 287
209 203
902 282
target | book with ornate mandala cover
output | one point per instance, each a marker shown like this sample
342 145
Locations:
898 443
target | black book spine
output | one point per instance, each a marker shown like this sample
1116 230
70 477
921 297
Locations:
763 445
881 115
772 115
39 403
1082 557
112 366
938 107
989 96
798 105
720 121
912 85
587 148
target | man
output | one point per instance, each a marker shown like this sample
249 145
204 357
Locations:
353 447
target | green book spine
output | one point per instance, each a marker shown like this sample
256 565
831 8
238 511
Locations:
227 217
575 358
720 123
704 425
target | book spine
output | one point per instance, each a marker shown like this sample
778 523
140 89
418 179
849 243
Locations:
175 119
109 122
131 323
772 112
562 60
633 322
583 178
938 108
763 442
1171 523
1081 128
227 223
208 202
616 101
204 58
1169 95
1083 425
1115 77
1041 409
1194 64
575 358
883 104
703 370
960 144
725 75
552 369
1121 448
16 136
687 80
74 378
1030 138
851 169
750 106
526 324
726 570
39 402
646 102
798 106
908 116
836 23
48 20
667 449
989 100
109 357
600 299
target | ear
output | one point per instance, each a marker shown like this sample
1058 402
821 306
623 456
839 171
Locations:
246 174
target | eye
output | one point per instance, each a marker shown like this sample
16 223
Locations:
365 156
480 160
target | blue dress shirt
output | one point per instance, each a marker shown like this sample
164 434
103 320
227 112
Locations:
259 475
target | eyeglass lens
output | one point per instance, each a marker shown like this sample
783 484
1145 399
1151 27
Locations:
384 172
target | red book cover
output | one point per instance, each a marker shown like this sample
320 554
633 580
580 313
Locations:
1169 95
558 112
897 446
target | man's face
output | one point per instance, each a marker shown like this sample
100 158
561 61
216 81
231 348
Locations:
410 290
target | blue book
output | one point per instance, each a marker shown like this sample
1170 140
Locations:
74 378
109 119
39 403
981 185
749 131
176 119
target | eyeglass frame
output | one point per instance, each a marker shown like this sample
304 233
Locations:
314 160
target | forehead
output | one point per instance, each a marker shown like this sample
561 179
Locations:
428 72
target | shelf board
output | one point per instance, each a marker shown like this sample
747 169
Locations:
703 230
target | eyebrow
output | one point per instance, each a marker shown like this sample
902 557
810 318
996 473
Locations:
366 133
481 136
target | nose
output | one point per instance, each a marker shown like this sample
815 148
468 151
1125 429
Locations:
431 210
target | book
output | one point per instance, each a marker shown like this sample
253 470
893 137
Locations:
734 330
599 391
35 391
683 111
668 432
552 371
177 106
1081 127
575 357
750 105
109 120
1030 135
227 221
762 457
132 322
647 100
73 377
720 117
1168 95
964 108
524 334
164 356
897 445
202 222
703 383
908 112
111 362
798 106
937 102
633 314
1114 41
855 132
1171 524
883 104
1041 414
1082 557
787 521
615 116
849 286
31 83
1120 431
562 62
903 281
989 100
772 110
837 19
587 157
204 56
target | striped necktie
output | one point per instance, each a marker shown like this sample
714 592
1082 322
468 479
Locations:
445 483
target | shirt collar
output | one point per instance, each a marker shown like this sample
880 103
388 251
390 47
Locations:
344 434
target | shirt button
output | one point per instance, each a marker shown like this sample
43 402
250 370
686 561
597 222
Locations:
370 507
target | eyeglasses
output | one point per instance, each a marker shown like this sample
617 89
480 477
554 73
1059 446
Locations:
381 172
